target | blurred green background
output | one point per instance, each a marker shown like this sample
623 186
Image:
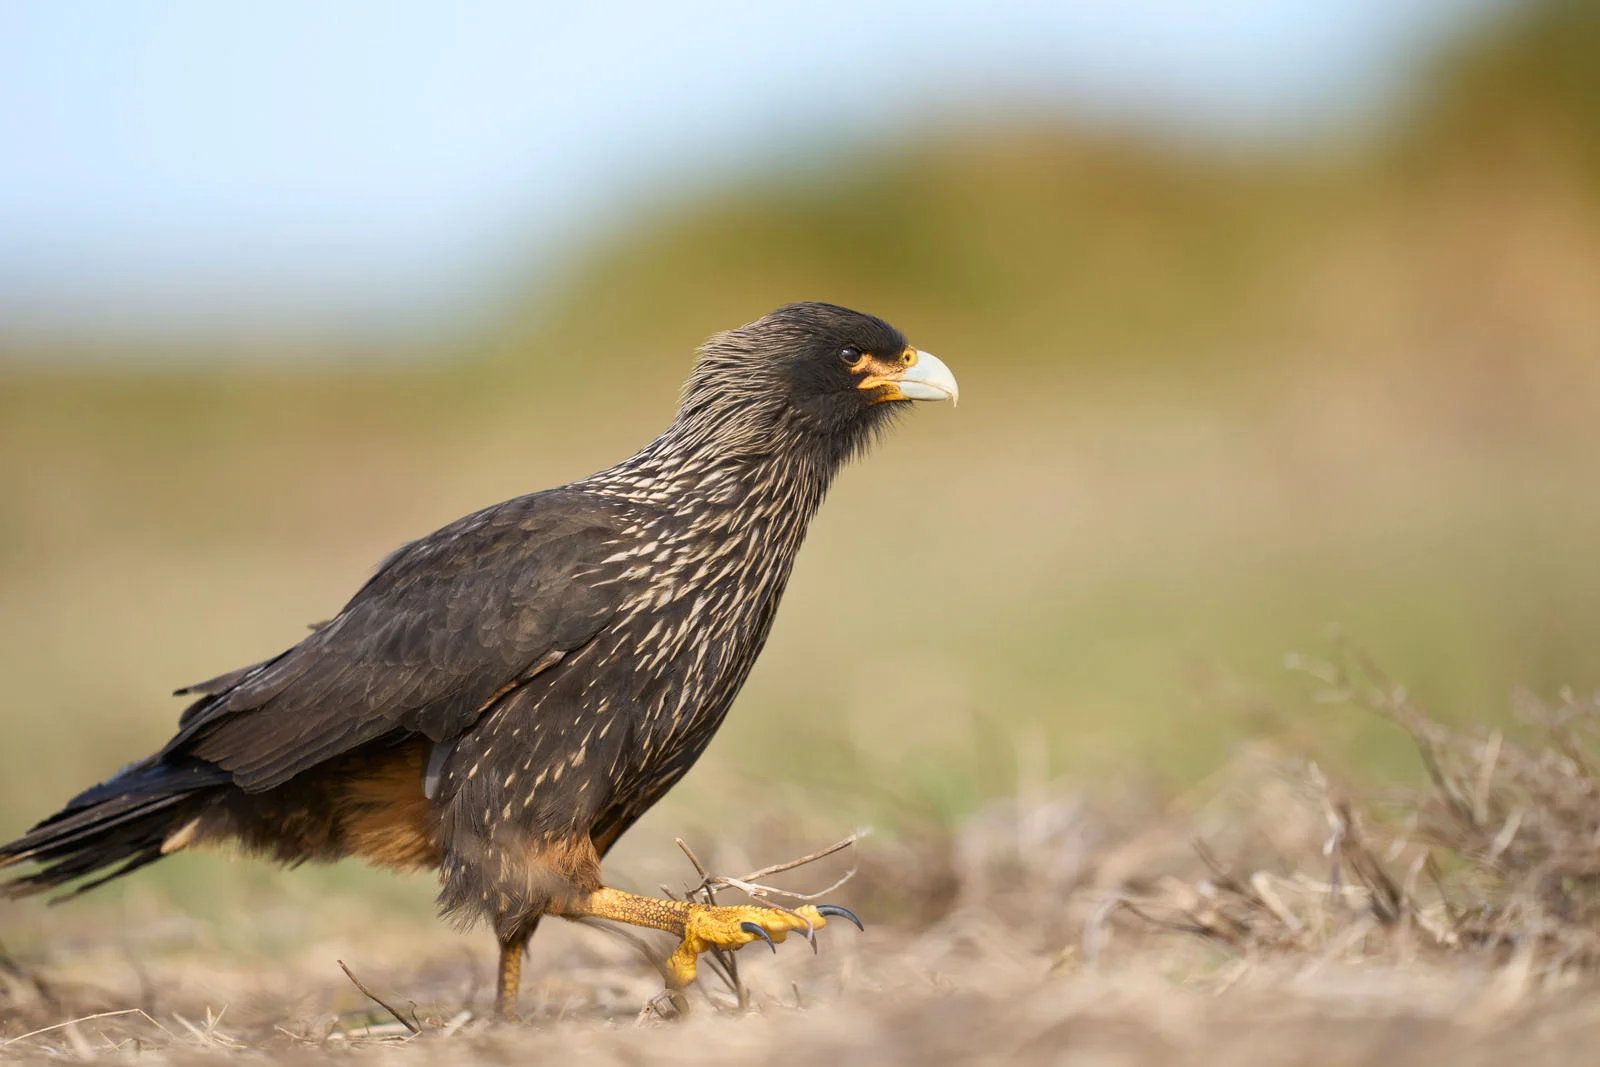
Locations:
1219 393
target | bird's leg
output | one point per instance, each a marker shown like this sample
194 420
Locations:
509 979
701 926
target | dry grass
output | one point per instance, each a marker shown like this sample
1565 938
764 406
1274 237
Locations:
1269 916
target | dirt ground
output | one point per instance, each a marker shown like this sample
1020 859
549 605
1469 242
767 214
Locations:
876 1002
1267 917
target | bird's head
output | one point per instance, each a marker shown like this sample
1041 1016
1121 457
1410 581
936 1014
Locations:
826 374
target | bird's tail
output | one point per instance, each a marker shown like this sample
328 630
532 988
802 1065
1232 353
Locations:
126 822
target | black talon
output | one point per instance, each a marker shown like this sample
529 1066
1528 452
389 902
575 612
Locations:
826 910
754 930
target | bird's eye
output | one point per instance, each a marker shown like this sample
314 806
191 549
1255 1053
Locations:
850 353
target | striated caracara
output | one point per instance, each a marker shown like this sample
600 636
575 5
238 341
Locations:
506 696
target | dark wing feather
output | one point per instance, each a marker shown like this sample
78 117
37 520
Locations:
445 626
213 686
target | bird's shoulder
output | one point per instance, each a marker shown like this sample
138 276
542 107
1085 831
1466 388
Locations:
553 528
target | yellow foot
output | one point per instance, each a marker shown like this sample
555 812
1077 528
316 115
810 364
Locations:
703 926
708 927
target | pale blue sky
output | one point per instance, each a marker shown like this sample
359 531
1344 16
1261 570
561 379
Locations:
312 164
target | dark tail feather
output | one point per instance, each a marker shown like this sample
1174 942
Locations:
121 824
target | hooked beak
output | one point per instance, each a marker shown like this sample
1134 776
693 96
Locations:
915 375
928 379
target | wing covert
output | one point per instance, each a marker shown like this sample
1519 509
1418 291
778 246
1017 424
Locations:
445 626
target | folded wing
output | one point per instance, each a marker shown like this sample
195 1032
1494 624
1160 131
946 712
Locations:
446 626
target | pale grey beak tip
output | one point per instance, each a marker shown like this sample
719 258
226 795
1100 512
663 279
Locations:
929 379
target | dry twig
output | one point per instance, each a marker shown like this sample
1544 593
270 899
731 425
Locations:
385 1005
